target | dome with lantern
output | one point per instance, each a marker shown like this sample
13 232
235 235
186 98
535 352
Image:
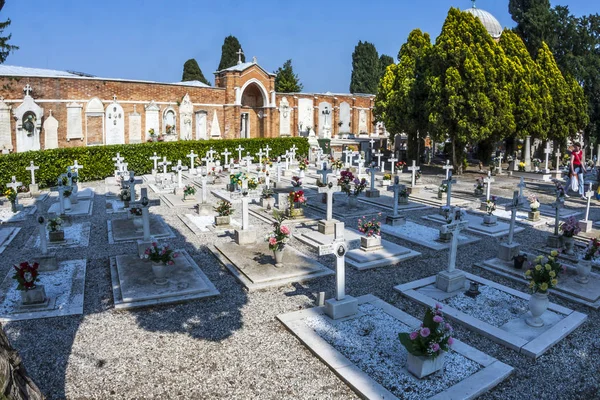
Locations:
490 23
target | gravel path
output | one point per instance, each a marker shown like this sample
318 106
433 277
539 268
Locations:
232 347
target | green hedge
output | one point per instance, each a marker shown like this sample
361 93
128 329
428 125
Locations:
98 164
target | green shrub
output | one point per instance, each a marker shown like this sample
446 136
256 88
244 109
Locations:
98 164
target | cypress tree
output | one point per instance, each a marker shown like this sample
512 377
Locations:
286 81
192 72
5 47
229 50
384 61
365 69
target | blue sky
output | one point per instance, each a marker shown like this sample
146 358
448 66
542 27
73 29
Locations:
151 39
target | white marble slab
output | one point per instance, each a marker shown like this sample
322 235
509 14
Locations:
424 235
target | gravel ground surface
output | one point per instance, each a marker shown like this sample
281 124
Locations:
232 347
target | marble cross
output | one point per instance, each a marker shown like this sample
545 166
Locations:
293 151
557 154
192 156
210 155
454 229
392 160
396 187
514 205
260 155
145 214
347 154
245 218
132 184
287 160
267 149
32 168
521 186
547 151
278 169
413 169
248 159
449 182
379 154
14 184
61 189
155 159
324 172
179 168
557 205
76 167
373 170
588 195
164 164
329 190
239 150
448 168
226 153
361 162
43 238
338 247
488 182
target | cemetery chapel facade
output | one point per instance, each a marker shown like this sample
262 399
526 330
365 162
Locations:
46 109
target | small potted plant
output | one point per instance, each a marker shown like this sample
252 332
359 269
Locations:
536 164
337 164
542 277
569 228
125 197
136 213
428 344
584 266
266 198
296 200
479 185
55 231
371 230
303 166
278 238
26 275
521 166
252 184
352 186
189 191
442 191
387 180
418 176
67 199
399 166
534 205
519 260
490 207
162 257
224 210
11 195
403 195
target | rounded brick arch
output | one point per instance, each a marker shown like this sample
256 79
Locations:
251 83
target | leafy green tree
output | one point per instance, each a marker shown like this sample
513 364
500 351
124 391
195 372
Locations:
466 96
365 69
229 50
384 61
5 47
192 72
535 23
286 81
402 92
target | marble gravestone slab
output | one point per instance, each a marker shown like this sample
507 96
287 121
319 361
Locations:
83 207
7 234
82 194
254 266
169 188
65 286
113 205
311 236
76 235
133 282
476 225
568 288
424 235
122 230
429 197
520 217
390 254
388 202
490 371
7 216
341 208
176 200
200 224
515 334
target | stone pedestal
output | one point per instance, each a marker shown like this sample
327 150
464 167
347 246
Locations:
56 236
507 251
442 195
585 225
372 193
533 216
327 227
395 221
336 309
47 262
414 189
370 243
267 203
490 220
34 189
450 281
33 296
483 206
553 241
294 213
243 237
402 200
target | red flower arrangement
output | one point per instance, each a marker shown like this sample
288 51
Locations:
298 197
26 275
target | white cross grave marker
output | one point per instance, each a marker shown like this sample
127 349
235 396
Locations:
32 168
379 154
392 160
448 168
324 172
14 184
547 151
267 149
226 153
239 150
179 169
164 164
329 190
413 169
192 156
155 159
488 182
449 182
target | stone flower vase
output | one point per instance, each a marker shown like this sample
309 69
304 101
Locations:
445 236
370 243
352 201
138 223
442 195
36 295
402 200
278 255
302 174
490 219
584 268
125 203
160 273
267 202
478 192
569 243
538 304
222 220
67 203
56 236
533 215
386 182
421 366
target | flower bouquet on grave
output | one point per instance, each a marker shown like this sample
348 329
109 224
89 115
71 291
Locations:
252 184
428 344
26 275
25 189
11 194
296 201
54 226
303 163
479 185
569 228
160 254
67 193
443 188
188 190
418 176
337 164
534 204
278 238
296 181
542 277
350 185
490 205
267 193
136 211
169 129
589 256
125 195
387 177
371 229
521 166
224 210
399 165
403 195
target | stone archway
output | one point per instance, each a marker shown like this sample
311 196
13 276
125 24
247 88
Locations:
253 100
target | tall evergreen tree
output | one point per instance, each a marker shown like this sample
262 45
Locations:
384 61
5 47
229 50
365 69
192 72
286 81
534 22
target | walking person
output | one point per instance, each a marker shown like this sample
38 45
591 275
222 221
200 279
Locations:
576 170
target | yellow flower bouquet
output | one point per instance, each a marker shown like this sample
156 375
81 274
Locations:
543 275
